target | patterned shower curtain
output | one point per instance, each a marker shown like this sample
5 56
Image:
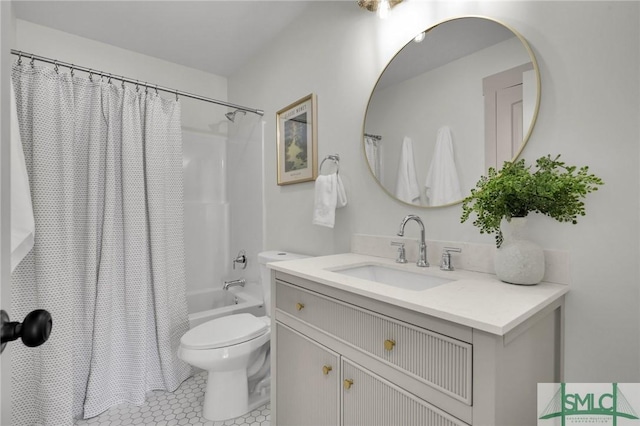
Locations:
105 168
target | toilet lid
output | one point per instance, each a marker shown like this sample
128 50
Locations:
224 331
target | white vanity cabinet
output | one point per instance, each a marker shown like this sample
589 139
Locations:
343 359
309 380
314 383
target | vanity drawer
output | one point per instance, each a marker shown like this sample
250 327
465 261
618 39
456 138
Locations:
439 361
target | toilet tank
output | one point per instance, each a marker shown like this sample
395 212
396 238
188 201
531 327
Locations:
265 273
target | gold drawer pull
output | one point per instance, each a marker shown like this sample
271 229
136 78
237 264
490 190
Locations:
389 344
348 383
299 306
326 369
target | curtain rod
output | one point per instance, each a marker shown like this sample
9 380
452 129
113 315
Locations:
57 63
376 137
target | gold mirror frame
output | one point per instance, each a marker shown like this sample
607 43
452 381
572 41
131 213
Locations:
526 137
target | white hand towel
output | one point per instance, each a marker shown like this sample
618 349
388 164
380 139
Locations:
329 195
22 223
342 195
443 186
407 188
372 151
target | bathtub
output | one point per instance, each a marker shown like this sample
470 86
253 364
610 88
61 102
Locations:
205 305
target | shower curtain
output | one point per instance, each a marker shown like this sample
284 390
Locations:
105 167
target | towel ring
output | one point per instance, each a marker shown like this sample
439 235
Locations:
333 157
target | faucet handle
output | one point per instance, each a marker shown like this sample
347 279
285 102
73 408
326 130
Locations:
402 258
241 258
446 264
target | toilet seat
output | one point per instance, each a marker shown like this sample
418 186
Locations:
224 331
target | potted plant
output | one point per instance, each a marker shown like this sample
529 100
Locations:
502 197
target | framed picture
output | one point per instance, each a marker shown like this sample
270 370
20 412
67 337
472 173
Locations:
297 141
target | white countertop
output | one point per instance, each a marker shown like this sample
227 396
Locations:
473 299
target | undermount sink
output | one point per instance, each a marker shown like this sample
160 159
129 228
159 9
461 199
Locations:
393 277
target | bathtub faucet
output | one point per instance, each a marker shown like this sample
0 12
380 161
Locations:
241 258
234 283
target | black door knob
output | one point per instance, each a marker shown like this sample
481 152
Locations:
34 330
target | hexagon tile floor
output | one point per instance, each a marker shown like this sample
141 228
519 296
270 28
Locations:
182 407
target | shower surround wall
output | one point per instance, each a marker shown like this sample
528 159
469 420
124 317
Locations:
245 153
206 210
223 204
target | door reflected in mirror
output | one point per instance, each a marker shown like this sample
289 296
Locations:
447 108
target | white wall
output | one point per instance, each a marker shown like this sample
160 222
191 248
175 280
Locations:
588 54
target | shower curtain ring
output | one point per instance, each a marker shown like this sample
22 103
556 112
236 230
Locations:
176 95
32 61
109 80
137 87
90 75
19 58
72 70
156 89
55 66
122 77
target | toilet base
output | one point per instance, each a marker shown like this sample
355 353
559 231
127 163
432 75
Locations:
226 395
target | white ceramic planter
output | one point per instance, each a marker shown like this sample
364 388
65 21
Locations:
518 260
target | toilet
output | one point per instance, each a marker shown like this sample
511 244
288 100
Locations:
234 350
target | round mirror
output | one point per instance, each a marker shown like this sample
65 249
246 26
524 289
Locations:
461 97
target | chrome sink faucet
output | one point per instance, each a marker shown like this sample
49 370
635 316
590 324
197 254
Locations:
422 257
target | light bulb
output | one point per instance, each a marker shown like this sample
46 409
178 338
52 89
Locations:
383 9
420 37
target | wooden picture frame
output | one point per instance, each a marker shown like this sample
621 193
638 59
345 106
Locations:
297 141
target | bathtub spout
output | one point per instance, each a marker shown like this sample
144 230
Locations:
234 283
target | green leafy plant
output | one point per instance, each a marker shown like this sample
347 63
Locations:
552 188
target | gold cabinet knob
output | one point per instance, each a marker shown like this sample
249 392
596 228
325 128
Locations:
348 383
389 344
326 369
299 306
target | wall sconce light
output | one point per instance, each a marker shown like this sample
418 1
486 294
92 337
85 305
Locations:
380 6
